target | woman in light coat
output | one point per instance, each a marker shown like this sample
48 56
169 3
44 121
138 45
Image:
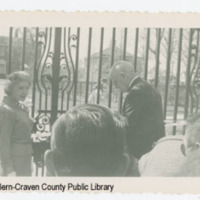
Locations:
15 127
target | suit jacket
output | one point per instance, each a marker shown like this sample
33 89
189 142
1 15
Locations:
143 109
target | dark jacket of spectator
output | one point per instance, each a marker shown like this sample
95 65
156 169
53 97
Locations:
143 109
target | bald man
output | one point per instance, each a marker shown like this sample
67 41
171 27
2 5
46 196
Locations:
142 107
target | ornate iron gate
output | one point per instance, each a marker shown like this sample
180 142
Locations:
62 78
54 76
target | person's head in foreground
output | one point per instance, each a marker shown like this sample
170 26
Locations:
17 85
191 148
88 141
121 74
165 159
192 136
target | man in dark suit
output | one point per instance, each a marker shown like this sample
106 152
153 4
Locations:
142 107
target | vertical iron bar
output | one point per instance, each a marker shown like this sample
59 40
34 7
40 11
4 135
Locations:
76 66
124 58
40 91
167 77
80 90
55 74
136 48
125 43
157 56
111 63
188 75
36 172
24 48
178 78
88 65
46 99
147 54
68 99
100 65
10 51
46 90
198 47
35 72
191 90
43 170
62 100
40 101
64 92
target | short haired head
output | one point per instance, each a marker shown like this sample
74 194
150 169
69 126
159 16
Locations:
14 79
90 140
122 73
192 135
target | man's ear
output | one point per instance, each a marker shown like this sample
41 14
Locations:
49 162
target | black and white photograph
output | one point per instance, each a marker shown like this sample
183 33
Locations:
99 102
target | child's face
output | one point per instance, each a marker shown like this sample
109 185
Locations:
20 91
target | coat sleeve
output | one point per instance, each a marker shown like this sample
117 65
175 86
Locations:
137 139
133 106
6 130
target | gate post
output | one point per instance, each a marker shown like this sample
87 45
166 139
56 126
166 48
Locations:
55 75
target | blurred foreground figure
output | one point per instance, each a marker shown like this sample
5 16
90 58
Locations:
142 107
164 160
89 141
191 148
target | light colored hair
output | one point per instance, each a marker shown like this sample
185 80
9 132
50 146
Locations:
193 130
14 79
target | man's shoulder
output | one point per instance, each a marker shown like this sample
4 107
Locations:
139 84
140 87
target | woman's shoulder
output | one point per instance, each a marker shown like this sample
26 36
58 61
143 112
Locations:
6 110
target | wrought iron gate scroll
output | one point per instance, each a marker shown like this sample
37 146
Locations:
54 77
